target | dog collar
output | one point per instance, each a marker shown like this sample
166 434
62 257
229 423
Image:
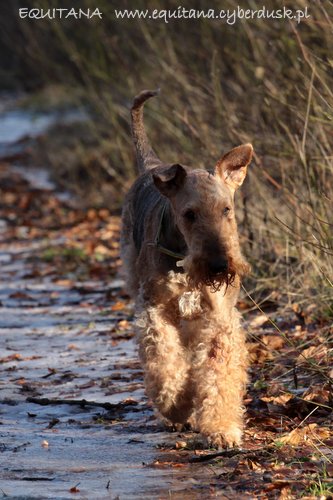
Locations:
160 247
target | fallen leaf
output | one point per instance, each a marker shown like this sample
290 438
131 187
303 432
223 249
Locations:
318 394
11 357
258 353
259 320
74 489
64 283
21 381
92 214
253 465
123 323
180 444
73 347
282 399
273 341
20 295
118 306
310 432
314 352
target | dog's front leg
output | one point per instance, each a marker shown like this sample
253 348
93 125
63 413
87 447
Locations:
220 379
166 370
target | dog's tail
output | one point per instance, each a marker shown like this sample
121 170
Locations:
146 156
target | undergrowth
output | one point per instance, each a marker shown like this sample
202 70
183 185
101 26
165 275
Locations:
260 81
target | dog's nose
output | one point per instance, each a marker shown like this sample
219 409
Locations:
218 266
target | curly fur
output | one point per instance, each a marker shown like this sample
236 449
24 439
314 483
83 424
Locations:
191 342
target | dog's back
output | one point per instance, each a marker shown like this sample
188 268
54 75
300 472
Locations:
140 201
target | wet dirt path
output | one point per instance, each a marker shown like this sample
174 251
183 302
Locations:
66 335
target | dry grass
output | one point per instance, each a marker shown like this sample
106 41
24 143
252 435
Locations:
266 82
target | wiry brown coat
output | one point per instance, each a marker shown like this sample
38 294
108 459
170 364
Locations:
190 339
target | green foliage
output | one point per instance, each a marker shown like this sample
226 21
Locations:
322 486
70 254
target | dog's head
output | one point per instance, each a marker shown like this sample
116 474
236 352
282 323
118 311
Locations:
203 208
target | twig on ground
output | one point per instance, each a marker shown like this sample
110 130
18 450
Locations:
80 402
227 454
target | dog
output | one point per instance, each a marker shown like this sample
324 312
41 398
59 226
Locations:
183 267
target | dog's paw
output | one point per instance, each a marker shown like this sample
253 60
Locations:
230 438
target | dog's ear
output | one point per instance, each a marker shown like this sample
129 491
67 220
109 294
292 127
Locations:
232 166
169 180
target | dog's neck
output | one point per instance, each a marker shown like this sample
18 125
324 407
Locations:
171 242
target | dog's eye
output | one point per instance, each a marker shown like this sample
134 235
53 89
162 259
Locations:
226 210
189 215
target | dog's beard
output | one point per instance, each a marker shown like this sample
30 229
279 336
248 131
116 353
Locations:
216 281
199 276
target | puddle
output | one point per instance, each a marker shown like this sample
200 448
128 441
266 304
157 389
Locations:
17 124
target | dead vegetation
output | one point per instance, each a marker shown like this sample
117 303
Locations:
260 81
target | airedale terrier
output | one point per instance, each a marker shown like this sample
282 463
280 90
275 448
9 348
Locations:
183 267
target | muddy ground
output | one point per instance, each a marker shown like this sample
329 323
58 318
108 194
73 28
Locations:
74 420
